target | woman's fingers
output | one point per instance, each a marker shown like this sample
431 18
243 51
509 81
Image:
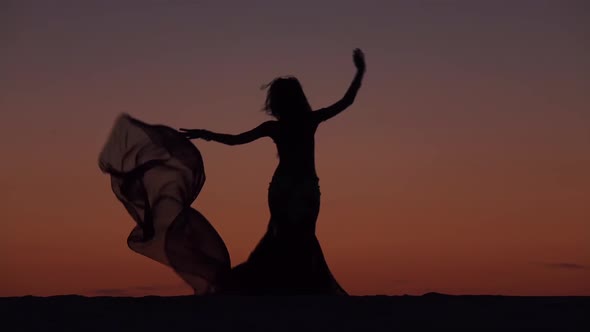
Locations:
195 133
187 133
191 133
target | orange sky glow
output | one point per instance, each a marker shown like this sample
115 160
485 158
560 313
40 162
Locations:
462 168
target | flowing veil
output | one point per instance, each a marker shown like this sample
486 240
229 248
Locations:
156 174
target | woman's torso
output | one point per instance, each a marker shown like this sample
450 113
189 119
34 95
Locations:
296 148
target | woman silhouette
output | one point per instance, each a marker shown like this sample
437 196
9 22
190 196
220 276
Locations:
288 259
157 174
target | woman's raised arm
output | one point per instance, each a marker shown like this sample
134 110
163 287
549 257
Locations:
330 111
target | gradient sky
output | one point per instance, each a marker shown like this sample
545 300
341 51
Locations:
462 168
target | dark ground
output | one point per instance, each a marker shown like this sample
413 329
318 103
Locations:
356 313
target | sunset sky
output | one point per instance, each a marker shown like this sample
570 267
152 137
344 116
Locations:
463 167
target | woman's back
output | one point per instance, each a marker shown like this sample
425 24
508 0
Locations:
296 146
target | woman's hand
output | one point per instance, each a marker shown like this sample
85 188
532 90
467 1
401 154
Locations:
359 60
196 133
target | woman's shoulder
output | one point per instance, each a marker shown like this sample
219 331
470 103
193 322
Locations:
270 128
269 125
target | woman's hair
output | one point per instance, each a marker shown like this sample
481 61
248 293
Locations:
285 98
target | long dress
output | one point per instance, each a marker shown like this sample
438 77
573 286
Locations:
157 174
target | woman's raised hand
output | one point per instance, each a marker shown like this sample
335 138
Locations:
359 59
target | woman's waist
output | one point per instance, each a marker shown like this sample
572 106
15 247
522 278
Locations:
298 177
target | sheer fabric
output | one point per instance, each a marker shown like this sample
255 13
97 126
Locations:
157 174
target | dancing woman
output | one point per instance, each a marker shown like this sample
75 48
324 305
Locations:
288 260
156 173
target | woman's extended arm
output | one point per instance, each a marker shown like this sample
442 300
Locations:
265 129
328 112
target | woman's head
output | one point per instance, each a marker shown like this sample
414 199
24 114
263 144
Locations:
285 98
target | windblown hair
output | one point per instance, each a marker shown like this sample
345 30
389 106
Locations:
285 98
